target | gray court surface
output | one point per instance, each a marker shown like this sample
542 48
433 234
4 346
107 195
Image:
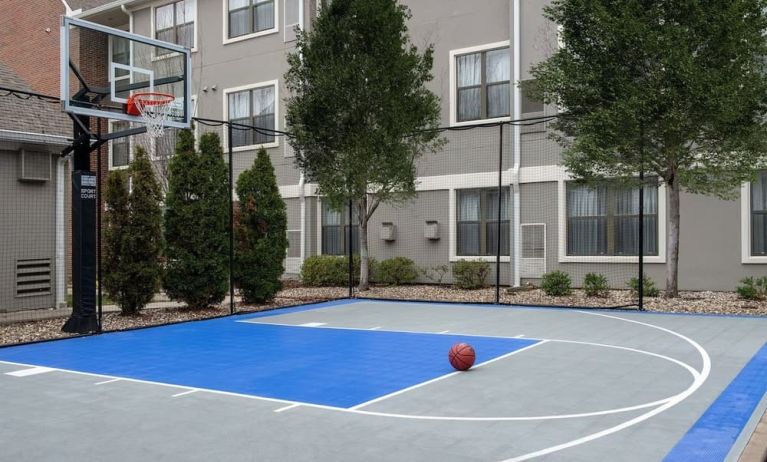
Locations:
600 386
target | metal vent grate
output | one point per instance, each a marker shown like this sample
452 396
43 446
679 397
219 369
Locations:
533 264
33 277
34 166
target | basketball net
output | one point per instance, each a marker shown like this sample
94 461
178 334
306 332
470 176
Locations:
154 109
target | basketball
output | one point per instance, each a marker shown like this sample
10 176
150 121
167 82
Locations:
461 356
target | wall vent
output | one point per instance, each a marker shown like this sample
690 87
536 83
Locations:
33 277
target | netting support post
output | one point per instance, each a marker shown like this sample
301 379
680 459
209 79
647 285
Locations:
351 256
99 210
640 282
500 205
231 219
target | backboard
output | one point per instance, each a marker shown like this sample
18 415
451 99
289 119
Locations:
102 67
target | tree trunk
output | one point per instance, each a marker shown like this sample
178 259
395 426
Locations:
364 256
672 246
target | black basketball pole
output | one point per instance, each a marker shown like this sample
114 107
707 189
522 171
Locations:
500 204
99 274
640 283
231 220
84 195
351 257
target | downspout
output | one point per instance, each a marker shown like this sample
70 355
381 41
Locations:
130 18
302 201
61 234
516 140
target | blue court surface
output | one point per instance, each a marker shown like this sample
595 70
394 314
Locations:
332 367
370 380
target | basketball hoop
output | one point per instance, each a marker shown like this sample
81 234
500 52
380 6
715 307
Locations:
153 107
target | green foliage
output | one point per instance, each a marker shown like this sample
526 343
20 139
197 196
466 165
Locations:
595 285
751 288
396 271
556 283
360 110
648 287
332 270
133 235
470 275
197 222
679 88
261 232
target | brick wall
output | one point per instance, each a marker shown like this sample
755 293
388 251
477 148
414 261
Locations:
29 42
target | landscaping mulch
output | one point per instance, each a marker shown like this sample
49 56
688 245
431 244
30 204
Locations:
703 302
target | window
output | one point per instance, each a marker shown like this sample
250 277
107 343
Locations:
119 148
604 220
335 231
174 23
759 216
250 17
120 53
477 227
483 85
254 107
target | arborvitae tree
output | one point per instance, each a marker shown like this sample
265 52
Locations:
261 232
197 222
133 236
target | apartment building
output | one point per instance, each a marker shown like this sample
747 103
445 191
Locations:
482 49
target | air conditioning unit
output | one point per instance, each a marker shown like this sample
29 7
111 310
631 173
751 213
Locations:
431 230
34 165
388 232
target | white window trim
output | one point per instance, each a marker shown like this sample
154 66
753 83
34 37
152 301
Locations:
227 40
453 220
130 152
745 228
562 238
153 25
276 142
453 82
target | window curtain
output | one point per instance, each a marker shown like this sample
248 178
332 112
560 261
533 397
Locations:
491 219
759 215
469 86
239 18
263 113
498 76
468 222
263 15
627 221
586 220
239 112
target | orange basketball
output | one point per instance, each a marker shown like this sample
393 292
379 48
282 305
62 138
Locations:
461 356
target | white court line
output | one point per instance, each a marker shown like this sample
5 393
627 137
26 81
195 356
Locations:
107 381
699 381
184 393
312 324
442 377
519 336
291 406
32 371
443 332
375 328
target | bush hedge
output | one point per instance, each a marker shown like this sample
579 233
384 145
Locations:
556 283
752 288
332 270
595 285
470 274
396 271
649 288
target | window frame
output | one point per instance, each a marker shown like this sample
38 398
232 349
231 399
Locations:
454 54
127 139
225 29
484 221
254 86
747 256
344 226
154 30
562 238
